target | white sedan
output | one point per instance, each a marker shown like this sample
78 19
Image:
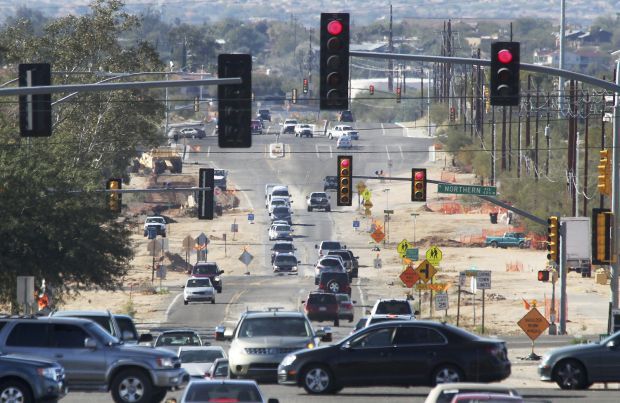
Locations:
344 141
198 289
280 231
197 360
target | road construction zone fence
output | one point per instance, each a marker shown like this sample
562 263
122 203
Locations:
557 309
455 207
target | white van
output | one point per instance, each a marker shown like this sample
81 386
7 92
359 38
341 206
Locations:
278 191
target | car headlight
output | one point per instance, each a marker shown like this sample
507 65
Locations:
48 372
288 360
216 279
165 362
310 345
276 267
294 268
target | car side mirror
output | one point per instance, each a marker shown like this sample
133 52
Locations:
219 333
90 343
346 346
354 302
299 261
316 246
416 313
221 272
611 345
145 338
303 301
171 400
357 257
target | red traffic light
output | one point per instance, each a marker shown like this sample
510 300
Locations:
344 163
334 27
371 89
419 175
543 275
504 56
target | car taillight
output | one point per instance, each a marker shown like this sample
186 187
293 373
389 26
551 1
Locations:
321 286
347 305
497 350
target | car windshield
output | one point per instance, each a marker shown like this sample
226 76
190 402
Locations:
274 326
198 282
283 228
330 262
321 299
290 260
178 339
347 128
200 355
222 392
447 395
330 245
341 254
103 321
279 192
394 308
205 269
342 297
288 122
157 220
304 126
281 210
318 196
100 333
282 247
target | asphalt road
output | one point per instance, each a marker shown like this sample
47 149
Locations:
307 161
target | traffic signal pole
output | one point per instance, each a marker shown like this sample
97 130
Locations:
562 313
615 198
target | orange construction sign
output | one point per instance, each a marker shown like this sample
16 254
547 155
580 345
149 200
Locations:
533 324
409 277
378 236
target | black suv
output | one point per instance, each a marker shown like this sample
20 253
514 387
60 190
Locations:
346 116
264 114
282 247
318 201
330 183
29 379
210 270
337 283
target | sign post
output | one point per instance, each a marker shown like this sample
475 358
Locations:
483 282
462 283
246 259
188 242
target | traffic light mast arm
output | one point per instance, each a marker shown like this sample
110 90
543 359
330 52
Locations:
482 62
529 216
157 190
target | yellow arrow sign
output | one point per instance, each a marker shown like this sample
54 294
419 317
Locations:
426 271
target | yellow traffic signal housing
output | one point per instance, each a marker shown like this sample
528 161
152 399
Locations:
604 173
345 180
602 249
553 239
418 184
115 200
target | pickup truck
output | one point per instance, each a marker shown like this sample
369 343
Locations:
304 129
289 126
340 130
219 177
508 239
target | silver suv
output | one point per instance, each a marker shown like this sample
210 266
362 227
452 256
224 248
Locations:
95 360
262 339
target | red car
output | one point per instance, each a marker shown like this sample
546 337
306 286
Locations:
322 306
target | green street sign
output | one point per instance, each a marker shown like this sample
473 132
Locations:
412 253
467 189
388 211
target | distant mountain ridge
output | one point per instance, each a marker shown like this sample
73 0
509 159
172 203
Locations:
363 11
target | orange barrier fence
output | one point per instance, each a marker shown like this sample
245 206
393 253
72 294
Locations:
557 309
516 267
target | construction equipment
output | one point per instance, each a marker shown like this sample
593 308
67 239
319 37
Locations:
162 159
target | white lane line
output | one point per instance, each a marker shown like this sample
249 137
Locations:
362 301
402 156
316 147
387 152
331 155
171 304
208 151
383 129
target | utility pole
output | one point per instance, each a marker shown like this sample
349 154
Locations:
561 64
585 158
536 120
503 138
391 50
615 199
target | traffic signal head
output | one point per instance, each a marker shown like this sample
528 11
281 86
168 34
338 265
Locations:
418 184
305 86
334 61
115 200
206 179
602 236
553 239
398 93
543 275
345 180
505 59
371 89
235 101
604 173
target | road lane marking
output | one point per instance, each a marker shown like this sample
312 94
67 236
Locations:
405 129
383 129
208 151
387 152
402 156
171 304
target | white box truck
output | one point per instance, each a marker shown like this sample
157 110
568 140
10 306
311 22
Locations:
578 245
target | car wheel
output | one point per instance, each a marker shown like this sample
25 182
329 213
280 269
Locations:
493 244
309 208
570 374
447 374
333 286
15 391
521 245
350 320
159 395
317 380
213 301
337 322
219 290
185 302
328 209
131 385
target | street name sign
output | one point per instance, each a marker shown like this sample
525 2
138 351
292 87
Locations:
467 189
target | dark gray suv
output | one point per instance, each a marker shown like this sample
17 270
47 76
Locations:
29 379
95 360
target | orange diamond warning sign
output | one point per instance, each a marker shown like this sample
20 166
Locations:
409 277
378 235
533 324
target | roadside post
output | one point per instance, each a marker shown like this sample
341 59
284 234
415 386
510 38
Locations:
462 280
224 237
188 242
154 248
483 282
234 228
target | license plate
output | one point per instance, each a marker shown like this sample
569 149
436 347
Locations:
322 308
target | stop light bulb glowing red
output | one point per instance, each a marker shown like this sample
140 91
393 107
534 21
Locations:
504 56
344 163
419 175
334 27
